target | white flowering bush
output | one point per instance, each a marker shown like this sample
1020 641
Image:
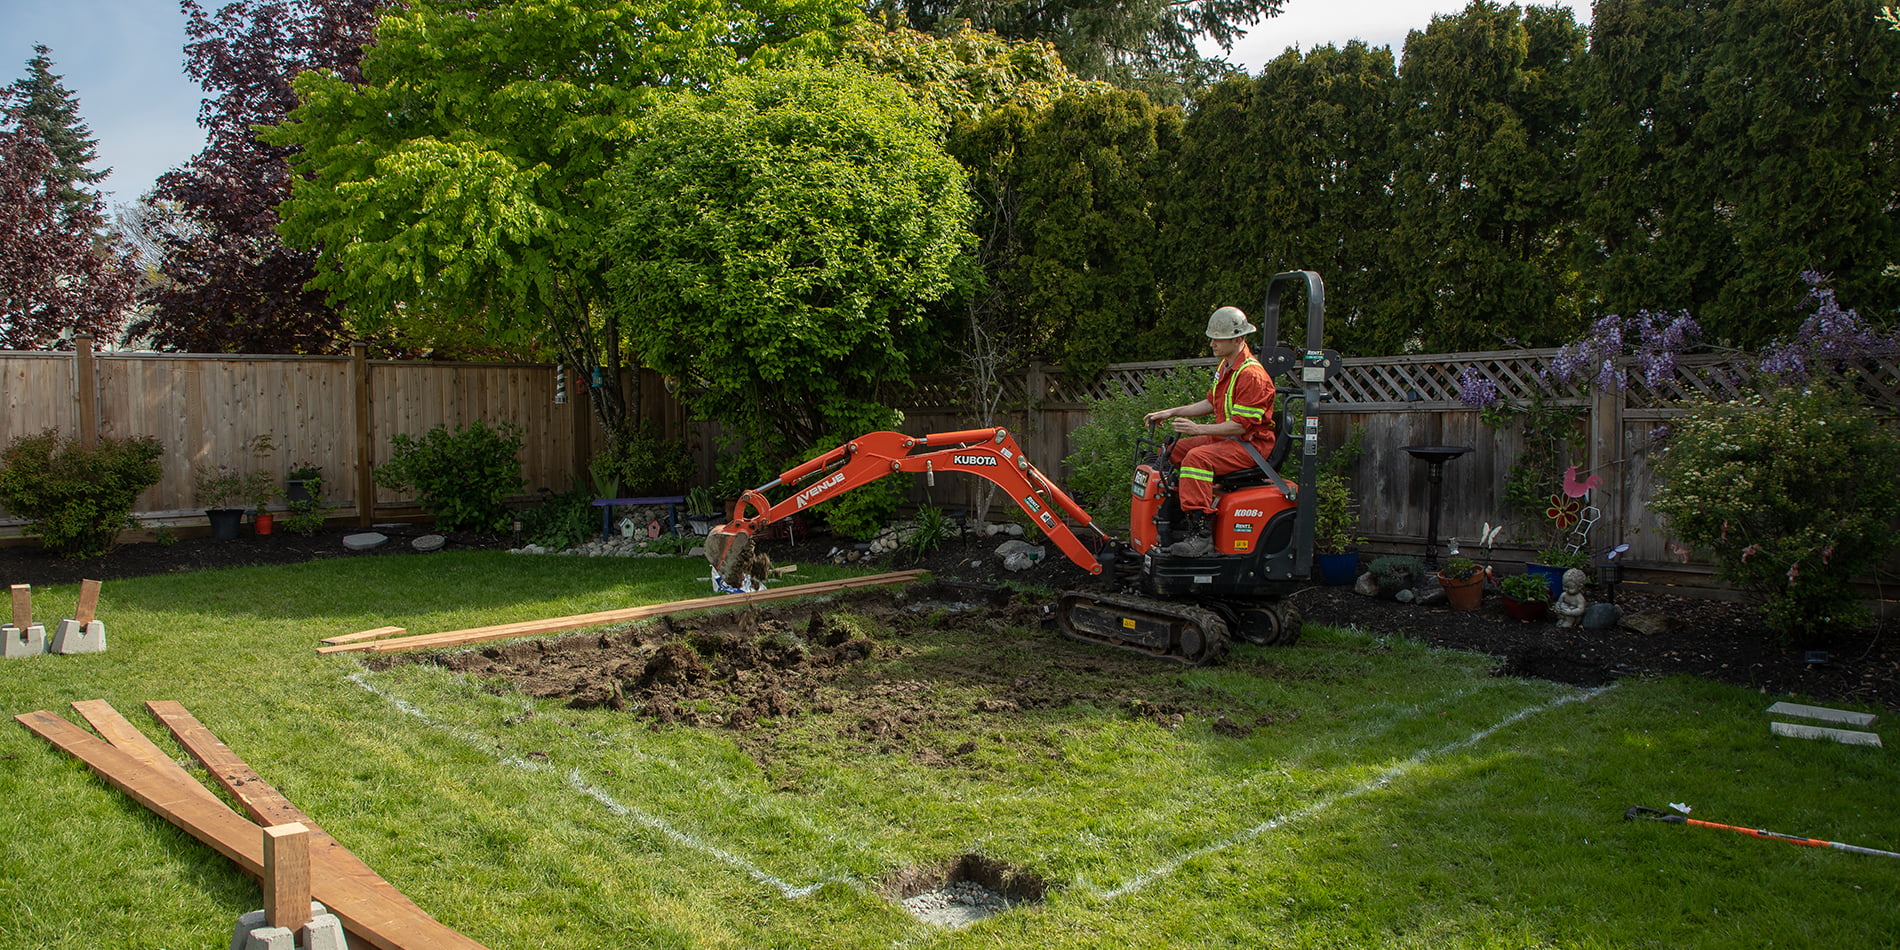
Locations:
1793 494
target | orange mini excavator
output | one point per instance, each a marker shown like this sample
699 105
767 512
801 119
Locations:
1185 607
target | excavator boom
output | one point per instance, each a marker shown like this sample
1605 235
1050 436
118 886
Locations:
990 454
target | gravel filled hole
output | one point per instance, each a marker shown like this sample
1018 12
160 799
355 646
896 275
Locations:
963 891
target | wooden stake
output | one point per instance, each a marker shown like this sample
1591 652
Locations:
22 606
88 602
287 878
375 634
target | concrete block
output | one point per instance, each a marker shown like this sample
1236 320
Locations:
75 637
1843 736
324 932
18 643
1823 713
364 541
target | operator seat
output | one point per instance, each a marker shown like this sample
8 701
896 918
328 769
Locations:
1252 475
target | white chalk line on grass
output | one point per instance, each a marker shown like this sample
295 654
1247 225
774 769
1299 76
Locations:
1174 864
580 784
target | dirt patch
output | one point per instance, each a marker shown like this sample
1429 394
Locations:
964 891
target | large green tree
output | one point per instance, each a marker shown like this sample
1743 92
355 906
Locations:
1731 145
1152 44
1289 170
1485 187
463 181
775 241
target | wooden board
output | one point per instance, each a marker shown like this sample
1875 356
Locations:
88 602
22 606
364 912
126 738
528 628
361 635
264 803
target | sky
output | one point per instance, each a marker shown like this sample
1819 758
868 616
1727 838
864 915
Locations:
124 60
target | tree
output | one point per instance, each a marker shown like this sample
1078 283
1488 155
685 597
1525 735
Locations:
775 241
1153 44
1729 147
1075 243
1289 170
52 112
463 181
59 275
1486 210
228 282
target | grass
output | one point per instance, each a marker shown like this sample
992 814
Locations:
1391 795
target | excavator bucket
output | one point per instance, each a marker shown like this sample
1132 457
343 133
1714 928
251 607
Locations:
727 547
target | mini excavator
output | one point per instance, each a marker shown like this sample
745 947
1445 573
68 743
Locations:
1187 608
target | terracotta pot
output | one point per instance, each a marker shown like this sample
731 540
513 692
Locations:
1526 610
1463 593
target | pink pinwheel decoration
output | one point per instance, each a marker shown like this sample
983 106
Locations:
1576 488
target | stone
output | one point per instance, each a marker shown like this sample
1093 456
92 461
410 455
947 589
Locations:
1601 617
75 637
1425 596
1407 595
364 541
428 543
1366 585
1648 622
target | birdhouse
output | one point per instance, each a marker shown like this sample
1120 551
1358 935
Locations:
629 527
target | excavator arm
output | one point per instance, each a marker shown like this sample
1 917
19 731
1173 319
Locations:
990 454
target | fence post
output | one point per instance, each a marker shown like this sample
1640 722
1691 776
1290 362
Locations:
1609 458
86 378
365 449
1034 388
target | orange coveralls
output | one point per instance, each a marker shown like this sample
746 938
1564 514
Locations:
1243 393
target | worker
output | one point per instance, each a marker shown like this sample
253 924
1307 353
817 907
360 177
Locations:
1241 402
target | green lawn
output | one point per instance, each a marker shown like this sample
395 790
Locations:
1386 795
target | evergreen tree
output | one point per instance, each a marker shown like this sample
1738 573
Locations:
1486 214
1733 144
1289 170
46 106
1150 44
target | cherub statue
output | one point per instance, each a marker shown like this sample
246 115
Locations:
1569 607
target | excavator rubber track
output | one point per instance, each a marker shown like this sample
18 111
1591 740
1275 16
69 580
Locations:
1182 632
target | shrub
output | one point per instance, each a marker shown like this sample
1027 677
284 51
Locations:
638 463
561 521
1794 495
1336 515
77 498
307 515
1102 466
464 478
1397 571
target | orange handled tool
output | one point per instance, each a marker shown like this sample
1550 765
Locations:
1651 814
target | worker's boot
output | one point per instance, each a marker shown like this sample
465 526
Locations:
1197 536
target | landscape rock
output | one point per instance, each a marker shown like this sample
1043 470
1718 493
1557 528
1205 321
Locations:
364 541
1366 586
1601 617
428 542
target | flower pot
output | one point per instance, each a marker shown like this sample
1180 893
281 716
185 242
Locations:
297 490
1463 593
264 522
1525 610
1339 570
224 522
1554 576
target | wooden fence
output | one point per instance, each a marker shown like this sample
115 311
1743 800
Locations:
340 412
335 413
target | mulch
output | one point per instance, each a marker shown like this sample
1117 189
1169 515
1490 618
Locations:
1714 639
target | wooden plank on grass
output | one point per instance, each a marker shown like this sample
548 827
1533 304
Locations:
22 605
365 913
529 628
263 802
287 876
1844 736
361 635
1843 716
126 738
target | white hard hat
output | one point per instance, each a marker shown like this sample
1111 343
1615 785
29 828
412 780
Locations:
1228 323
